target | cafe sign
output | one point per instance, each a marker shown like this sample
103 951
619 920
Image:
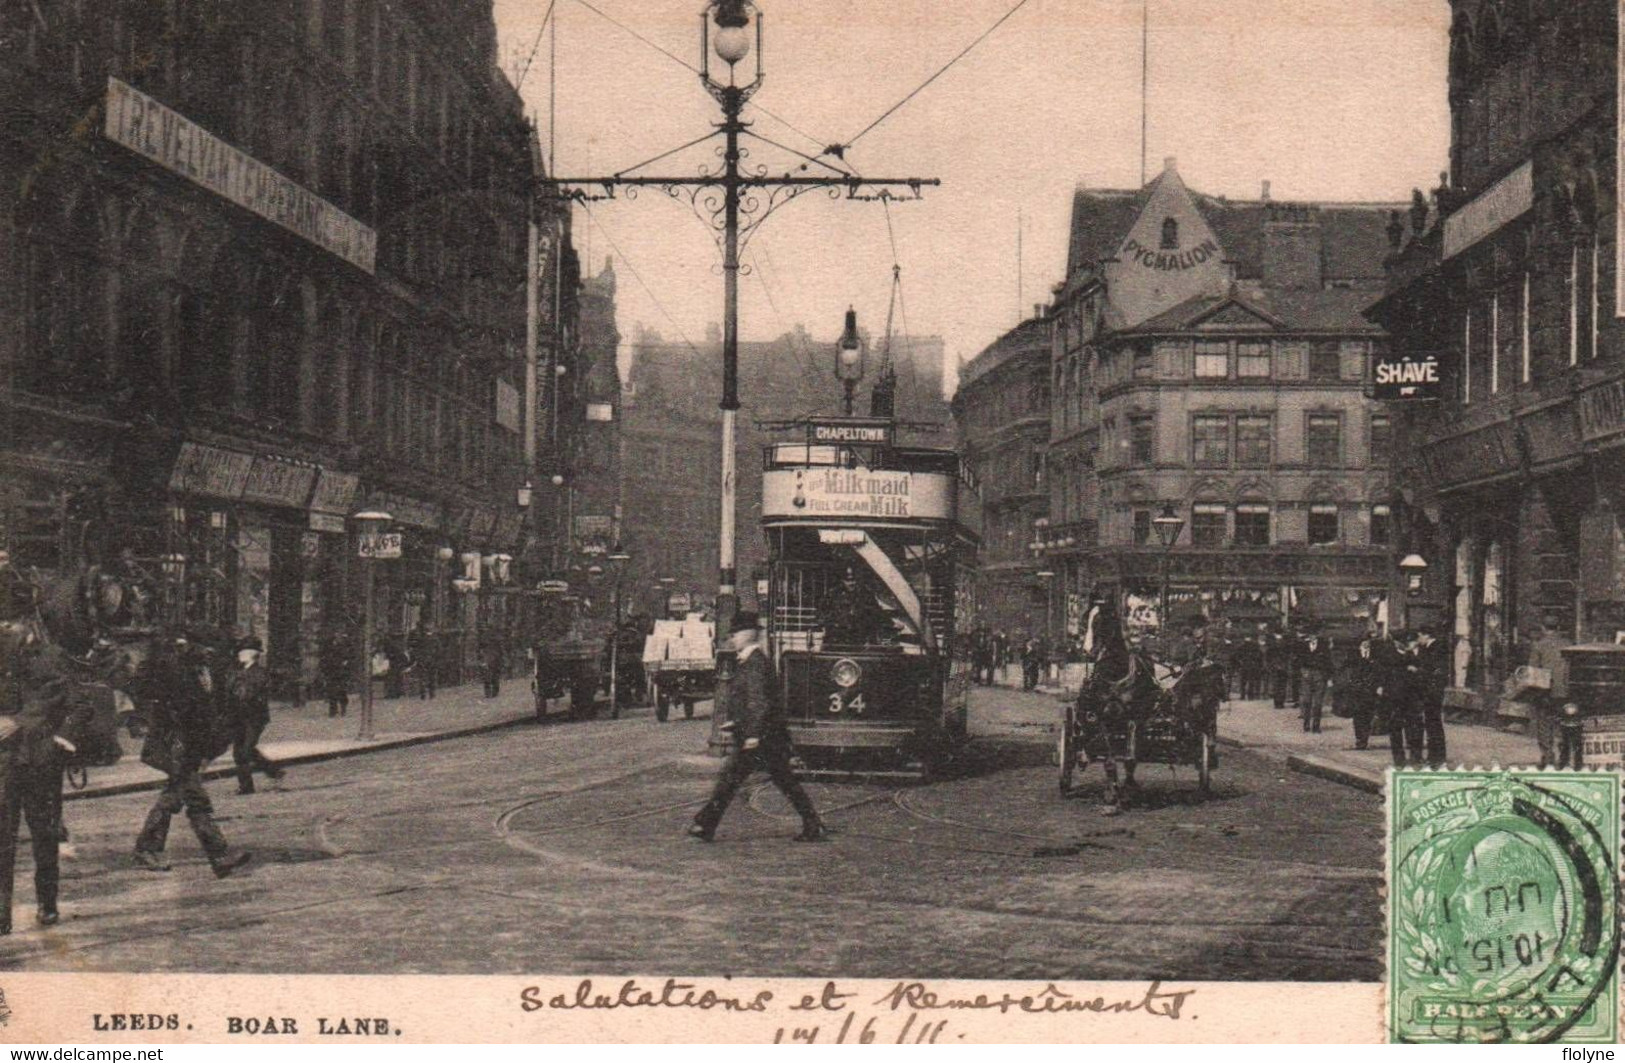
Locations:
1406 377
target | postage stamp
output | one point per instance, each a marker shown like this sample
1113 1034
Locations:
1503 920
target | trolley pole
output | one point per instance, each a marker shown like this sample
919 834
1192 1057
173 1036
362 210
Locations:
737 218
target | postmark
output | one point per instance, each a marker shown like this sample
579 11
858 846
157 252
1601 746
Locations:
1503 921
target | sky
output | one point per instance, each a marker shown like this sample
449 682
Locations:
1325 99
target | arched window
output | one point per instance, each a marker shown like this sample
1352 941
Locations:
66 309
1170 234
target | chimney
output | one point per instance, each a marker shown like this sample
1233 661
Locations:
1265 194
1292 247
1170 164
1038 310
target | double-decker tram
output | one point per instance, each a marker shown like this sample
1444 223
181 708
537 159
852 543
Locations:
871 549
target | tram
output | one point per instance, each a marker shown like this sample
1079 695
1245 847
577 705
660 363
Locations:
871 556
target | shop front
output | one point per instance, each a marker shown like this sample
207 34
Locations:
404 587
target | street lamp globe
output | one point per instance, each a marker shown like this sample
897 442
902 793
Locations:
849 352
731 41
1168 525
557 479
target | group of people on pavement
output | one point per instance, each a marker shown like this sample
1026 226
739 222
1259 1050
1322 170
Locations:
199 694
1389 683
992 651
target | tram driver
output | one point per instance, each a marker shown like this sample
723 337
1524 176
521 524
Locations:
850 614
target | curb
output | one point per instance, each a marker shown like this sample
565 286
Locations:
1332 772
115 789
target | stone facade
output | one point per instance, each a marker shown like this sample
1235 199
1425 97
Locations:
1209 359
1507 274
190 366
1002 409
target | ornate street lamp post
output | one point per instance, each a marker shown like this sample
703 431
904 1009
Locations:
1168 525
849 360
737 33
370 522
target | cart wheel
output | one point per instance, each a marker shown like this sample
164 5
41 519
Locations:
688 708
662 706
1066 748
1204 763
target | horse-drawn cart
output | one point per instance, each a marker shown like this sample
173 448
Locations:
679 658
1155 715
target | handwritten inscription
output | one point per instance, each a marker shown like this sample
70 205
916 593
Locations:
907 1013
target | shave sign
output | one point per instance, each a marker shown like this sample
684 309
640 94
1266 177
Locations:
1406 377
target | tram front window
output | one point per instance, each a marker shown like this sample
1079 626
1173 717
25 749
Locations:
850 614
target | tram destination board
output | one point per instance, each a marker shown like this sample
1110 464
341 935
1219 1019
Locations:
877 431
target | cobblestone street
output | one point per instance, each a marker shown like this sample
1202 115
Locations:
560 848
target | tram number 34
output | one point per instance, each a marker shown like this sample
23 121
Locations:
839 704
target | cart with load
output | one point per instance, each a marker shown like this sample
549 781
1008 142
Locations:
566 657
679 659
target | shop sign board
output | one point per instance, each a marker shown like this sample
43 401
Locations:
600 411
405 510
179 145
1406 377
1602 742
333 523
335 492
1501 203
205 470
380 546
1602 410
278 482
594 533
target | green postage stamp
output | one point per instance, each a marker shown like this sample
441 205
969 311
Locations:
1503 921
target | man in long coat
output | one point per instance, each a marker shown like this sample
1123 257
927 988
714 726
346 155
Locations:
38 711
177 689
761 736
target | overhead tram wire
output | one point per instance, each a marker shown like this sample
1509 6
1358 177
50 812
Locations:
536 47
641 282
838 150
801 356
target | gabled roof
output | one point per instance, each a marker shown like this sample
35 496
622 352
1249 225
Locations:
1354 236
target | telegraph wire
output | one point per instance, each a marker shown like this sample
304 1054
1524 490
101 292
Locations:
838 149
534 48
641 282
691 68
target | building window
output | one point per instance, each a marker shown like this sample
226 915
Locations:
1322 524
1212 359
1253 524
1253 441
1325 361
1209 522
1210 441
1145 363
1142 527
1142 436
1324 440
1480 351
1253 359
1382 439
1170 234
1381 525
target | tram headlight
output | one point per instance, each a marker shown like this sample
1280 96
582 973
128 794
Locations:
846 672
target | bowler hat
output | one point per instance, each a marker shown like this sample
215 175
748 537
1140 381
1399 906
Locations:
250 642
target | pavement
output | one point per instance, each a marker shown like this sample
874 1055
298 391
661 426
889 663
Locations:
306 734
1279 735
